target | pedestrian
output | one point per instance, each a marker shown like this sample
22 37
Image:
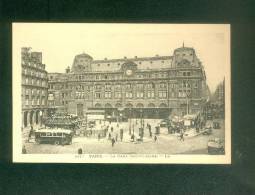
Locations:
79 151
24 151
121 134
133 137
113 142
111 129
150 133
155 138
109 136
30 132
182 136
99 137
116 137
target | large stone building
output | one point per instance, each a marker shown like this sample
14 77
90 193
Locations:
219 94
34 87
149 86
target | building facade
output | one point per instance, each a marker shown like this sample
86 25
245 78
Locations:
34 87
219 95
153 87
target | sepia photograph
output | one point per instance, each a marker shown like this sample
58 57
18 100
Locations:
121 93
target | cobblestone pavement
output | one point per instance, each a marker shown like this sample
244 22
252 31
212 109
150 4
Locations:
165 144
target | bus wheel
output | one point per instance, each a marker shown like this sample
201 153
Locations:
56 142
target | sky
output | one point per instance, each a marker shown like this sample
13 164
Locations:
60 42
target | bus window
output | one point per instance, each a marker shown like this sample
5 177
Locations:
54 134
48 134
59 134
43 134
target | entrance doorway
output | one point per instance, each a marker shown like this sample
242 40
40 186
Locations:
80 110
25 119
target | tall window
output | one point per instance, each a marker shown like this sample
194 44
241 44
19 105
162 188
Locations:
139 86
38 100
27 100
162 94
150 94
43 100
117 94
97 95
117 87
129 94
139 94
128 86
108 87
162 85
108 94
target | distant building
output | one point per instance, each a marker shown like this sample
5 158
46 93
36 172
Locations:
141 86
34 87
219 95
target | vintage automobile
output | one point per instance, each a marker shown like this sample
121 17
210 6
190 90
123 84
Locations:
164 123
216 125
54 136
216 146
207 130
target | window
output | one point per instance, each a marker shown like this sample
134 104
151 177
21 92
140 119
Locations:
98 87
108 87
117 87
129 94
150 94
27 100
43 100
128 86
150 86
196 84
108 94
139 94
162 85
97 95
139 86
117 94
162 94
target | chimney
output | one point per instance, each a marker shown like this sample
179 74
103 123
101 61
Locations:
68 69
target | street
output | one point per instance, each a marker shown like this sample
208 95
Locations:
165 143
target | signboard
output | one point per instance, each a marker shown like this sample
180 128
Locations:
95 117
187 122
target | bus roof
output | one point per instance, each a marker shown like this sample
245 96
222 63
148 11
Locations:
66 131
